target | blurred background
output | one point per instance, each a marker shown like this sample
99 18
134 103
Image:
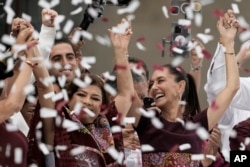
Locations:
149 26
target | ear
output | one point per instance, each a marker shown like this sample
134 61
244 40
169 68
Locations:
181 87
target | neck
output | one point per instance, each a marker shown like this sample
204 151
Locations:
172 112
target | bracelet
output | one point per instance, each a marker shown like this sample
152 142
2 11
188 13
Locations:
229 53
30 64
195 69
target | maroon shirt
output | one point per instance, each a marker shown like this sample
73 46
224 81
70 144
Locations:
13 147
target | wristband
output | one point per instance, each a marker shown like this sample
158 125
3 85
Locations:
31 64
232 53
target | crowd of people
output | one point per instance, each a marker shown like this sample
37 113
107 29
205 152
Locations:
54 112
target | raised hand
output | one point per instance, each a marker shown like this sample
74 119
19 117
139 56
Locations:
19 24
120 35
48 17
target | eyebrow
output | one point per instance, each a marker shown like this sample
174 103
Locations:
82 91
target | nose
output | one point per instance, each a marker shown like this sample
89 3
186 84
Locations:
87 101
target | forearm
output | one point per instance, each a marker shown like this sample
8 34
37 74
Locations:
196 74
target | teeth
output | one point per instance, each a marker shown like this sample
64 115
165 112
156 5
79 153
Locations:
159 95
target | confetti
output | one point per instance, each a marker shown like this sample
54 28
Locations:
177 61
110 89
206 54
89 112
197 157
76 2
157 123
11 127
87 35
7 150
130 9
184 22
68 26
57 97
31 99
121 28
198 19
18 154
235 8
48 95
10 13
202 133
147 114
140 46
70 125
118 156
43 148
191 126
47 113
79 83
103 40
26 17
8 40
77 11
107 76
62 80
116 129
47 5
165 11
158 67
129 120
60 148
29 89
184 146
78 150
147 148
181 121
244 35
205 38
58 20
212 157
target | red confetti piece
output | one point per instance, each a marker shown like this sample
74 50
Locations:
206 54
160 47
139 65
174 148
174 10
158 67
214 105
120 67
218 13
105 19
245 69
141 39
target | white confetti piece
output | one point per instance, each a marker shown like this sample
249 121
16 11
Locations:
89 112
58 20
59 35
157 123
29 89
206 2
7 150
130 9
177 61
118 156
129 120
184 146
62 80
10 13
78 150
116 129
205 38
130 17
79 83
225 153
242 22
11 127
138 71
223 127
65 95
8 40
198 19
247 141
31 99
89 59
212 157
235 8
43 148
108 76
110 89
146 148
140 46
244 36
189 12
165 11
18 155
59 148
121 28
93 12
233 134
48 5
26 17
76 2
177 50
68 26
48 95
57 97
191 126
10 65
147 114
78 72
33 165
76 37
184 22
181 121
105 40
47 113
87 35
2 83
70 125
202 133
76 11
197 157
207 30
2 49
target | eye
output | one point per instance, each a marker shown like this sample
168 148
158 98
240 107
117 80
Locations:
70 57
96 99
56 58
81 94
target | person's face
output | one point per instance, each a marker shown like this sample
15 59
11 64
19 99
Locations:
28 111
91 98
141 89
164 89
135 66
63 61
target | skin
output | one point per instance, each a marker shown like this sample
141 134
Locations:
63 55
90 97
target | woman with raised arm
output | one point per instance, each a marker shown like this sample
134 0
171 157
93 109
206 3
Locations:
172 142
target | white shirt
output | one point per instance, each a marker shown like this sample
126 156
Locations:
46 41
239 108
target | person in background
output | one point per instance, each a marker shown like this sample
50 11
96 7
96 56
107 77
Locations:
169 87
238 110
